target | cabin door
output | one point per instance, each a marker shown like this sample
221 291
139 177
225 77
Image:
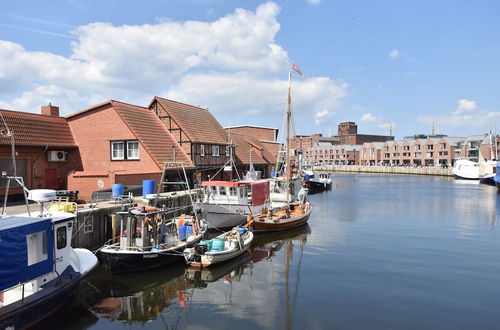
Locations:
50 178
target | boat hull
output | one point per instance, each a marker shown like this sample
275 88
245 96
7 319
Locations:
260 224
34 308
226 216
316 187
125 262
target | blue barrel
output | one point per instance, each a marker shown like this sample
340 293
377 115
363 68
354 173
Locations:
148 187
182 232
117 190
189 230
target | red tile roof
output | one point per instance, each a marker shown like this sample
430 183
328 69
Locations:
197 123
246 145
152 133
32 129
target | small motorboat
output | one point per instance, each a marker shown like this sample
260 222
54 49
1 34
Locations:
222 248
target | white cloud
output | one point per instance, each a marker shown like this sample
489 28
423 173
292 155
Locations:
394 54
322 116
314 2
468 118
369 117
231 65
465 106
251 95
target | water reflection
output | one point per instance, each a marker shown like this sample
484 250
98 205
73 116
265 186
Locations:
228 271
141 296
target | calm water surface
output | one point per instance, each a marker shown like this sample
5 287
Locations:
380 252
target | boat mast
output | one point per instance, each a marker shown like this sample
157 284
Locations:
288 169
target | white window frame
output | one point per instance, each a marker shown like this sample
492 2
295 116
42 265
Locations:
132 156
118 157
215 151
202 150
88 224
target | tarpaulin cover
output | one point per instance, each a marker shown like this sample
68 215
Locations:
14 267
260 192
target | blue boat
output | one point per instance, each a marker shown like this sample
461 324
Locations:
497 175
39 270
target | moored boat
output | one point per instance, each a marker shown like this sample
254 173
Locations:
222 248
317 182
225 204
149 240
39 270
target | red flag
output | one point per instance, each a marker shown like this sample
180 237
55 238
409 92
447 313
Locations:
296 68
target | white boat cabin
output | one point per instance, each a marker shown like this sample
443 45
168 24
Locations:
236 193
34 252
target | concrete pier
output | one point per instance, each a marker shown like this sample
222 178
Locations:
386 169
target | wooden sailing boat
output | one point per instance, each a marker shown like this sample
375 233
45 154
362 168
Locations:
289 214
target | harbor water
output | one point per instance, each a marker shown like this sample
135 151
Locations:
380 252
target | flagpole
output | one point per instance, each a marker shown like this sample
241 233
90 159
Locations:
287 148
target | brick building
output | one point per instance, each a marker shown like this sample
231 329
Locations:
198 133
45 149
120 143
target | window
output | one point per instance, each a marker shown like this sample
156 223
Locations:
443 145
88 224
117 150
222 191
37 247
417 147
62 238
202 150
122 150
430 147
132 149
215 151
232 191
227 151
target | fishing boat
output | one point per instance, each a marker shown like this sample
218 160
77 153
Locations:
225 204
222 248
148 239
317 182
39 270
289 213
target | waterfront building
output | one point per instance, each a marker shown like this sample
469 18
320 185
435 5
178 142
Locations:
121 143
328 154
198 133
433 151
44 146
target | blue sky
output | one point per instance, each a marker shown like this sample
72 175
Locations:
405 64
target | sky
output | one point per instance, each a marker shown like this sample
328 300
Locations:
406 67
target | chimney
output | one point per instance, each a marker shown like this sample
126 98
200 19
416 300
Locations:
50 110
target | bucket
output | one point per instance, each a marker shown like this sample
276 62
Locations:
148 187
208 243
189 230
218 243
182 232
117 190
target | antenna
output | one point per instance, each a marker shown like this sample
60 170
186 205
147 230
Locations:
432 128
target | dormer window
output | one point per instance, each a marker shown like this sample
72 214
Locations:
125 150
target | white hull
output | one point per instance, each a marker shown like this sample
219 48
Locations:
212 258
466 169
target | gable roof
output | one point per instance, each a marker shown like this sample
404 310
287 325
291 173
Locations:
32 129
149 130
197 123
246 145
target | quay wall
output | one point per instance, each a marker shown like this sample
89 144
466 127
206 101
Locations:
95 225
386 170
